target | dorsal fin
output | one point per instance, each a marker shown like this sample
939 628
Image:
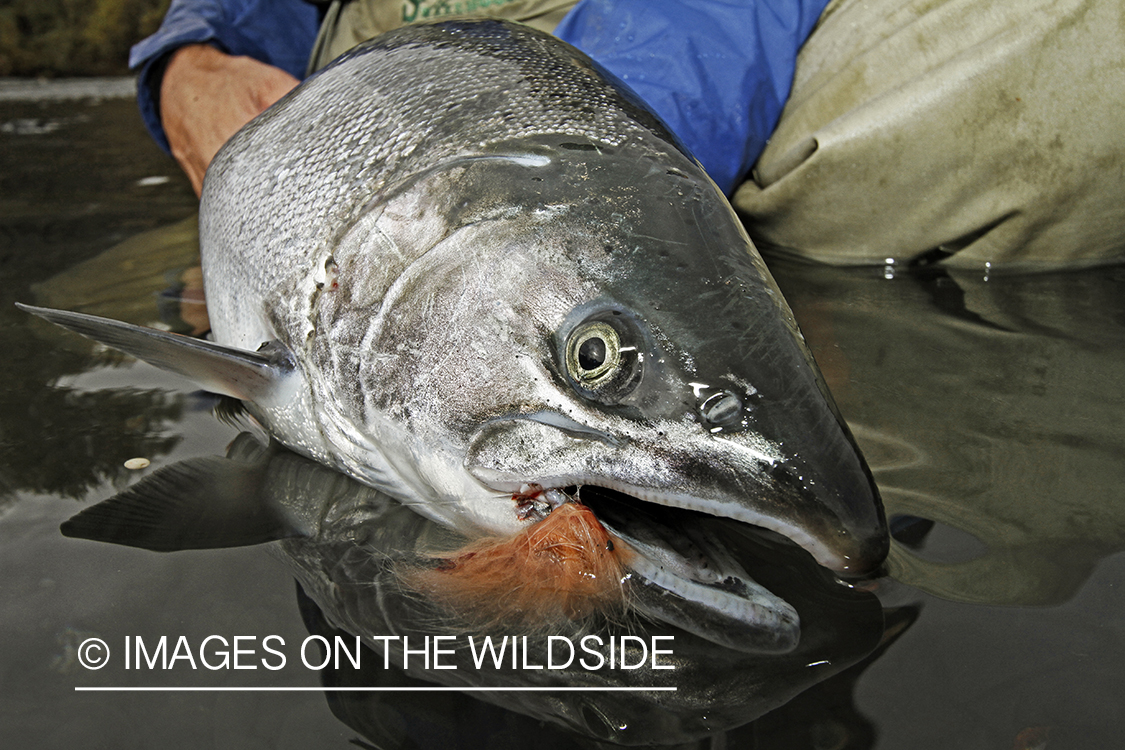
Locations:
245 375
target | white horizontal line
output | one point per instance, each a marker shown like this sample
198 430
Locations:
34 90
371 689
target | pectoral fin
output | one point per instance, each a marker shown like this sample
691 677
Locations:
250 376
199 503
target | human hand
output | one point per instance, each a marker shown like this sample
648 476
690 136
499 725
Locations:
207 96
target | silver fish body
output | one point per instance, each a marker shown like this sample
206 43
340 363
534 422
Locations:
461 262
425 223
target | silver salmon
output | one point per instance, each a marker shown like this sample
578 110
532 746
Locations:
466 267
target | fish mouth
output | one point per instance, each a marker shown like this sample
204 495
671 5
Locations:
833 514
664 497
683 574
676 565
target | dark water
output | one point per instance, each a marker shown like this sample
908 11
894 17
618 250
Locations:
992 412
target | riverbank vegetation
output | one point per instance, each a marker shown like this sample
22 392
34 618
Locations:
73 37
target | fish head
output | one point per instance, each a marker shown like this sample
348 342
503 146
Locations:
581 314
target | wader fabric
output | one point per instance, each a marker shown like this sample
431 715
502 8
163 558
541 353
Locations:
346 24
993 130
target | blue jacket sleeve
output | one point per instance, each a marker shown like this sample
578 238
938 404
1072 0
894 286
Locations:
278 32
718 72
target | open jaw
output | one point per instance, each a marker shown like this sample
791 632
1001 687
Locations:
683 574
591 548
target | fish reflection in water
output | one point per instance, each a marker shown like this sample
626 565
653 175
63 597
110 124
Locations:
350 547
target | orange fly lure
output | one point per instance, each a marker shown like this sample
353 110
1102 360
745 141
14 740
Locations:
566 567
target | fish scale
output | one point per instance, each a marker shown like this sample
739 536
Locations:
363 127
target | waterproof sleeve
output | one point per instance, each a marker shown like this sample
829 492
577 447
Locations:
718 72
278 32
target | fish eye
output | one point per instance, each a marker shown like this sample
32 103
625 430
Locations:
602 359
593 354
